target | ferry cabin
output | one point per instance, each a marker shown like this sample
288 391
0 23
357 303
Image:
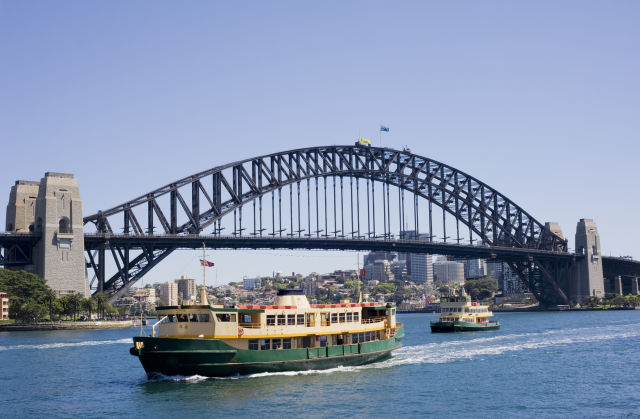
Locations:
290 324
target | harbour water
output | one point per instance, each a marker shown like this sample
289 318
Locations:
536 364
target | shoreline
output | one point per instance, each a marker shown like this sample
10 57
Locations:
67 326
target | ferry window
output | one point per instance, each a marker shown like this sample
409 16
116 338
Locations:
226 317
393 311
324 319
354 338
271 320
193 317
349 317
172 318
360 337
301 319
342 317
253 344
334 317
281 319
182 317
286 343
291 319
311 320
203 317
264 344
323 341
276 343
356 316
246 318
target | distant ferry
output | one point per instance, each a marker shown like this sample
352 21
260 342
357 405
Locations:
459 314
291 335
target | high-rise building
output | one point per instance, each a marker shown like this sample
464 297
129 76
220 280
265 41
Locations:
449 272
251 283
382 271
167 293
419 265
186 288
476 268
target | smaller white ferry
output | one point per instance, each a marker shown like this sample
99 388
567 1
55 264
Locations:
459 314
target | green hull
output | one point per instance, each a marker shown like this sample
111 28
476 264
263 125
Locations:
214 358
441 327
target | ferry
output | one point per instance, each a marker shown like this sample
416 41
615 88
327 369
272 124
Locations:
459 314
291 335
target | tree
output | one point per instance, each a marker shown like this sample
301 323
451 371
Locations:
30 311
480 289
88 305
51 297
101 301
26 291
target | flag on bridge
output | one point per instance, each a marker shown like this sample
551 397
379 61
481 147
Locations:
364 141
206 263
384 128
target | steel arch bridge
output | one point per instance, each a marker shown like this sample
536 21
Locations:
300 197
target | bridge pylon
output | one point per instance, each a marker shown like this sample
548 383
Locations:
587 278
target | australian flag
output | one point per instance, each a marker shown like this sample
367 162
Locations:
383 128
206 263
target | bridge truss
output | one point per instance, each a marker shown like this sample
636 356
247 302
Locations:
351 193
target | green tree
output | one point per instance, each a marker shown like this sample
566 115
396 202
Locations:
88 306
51 297
384 288
30 311
480 289
101 301
26 290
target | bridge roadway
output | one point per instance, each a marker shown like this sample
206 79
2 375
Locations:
194 241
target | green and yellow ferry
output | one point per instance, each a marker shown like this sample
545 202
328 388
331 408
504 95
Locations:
291 335
459 314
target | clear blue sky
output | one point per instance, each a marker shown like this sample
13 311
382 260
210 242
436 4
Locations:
539 99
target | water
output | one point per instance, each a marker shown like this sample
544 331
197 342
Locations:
537 364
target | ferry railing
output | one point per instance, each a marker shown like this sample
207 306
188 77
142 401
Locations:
251 325
153 328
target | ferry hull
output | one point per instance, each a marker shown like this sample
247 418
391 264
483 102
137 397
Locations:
214 358
442 327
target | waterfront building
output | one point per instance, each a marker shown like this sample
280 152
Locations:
251 283
511 283
449 272
167 293
4 306
186 288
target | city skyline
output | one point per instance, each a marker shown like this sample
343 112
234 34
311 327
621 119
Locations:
547 117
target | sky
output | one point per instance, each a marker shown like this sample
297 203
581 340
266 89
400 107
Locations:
538 99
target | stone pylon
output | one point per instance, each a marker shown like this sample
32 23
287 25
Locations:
586 275
59 255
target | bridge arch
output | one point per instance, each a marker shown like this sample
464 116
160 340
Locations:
488 215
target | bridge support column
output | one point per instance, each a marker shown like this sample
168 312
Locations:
617 285
586 275
634 285
59 256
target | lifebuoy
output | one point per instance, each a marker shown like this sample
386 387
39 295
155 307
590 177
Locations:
240 331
